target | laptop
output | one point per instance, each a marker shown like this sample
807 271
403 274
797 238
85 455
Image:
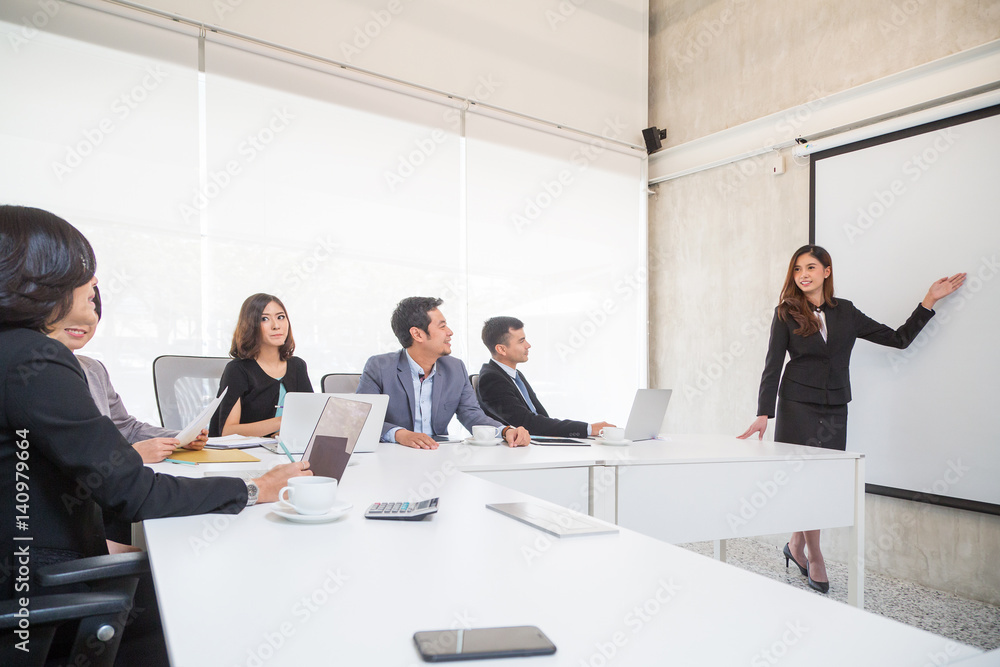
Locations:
302 411
646 417
337 431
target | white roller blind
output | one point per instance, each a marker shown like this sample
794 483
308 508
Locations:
270 173
344 200
556 239
99 125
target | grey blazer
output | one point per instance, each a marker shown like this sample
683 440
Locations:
452 393
109 404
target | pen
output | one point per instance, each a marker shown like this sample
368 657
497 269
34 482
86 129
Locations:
182 463
287 453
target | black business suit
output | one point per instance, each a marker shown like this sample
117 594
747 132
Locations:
77 462
502 400
817 378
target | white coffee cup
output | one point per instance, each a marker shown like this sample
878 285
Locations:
484 433
612 433
310 495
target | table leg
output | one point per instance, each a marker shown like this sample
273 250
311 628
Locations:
721 550
603 501
856 565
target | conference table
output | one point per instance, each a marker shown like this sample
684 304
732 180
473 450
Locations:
254 589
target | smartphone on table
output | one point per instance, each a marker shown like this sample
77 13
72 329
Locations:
482 643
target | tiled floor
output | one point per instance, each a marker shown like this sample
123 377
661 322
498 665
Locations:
966 621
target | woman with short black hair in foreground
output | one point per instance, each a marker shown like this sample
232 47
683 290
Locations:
77 462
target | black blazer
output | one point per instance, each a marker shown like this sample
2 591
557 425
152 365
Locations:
75 462
501 399
818 371
258 392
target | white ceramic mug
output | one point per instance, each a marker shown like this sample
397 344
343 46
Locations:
310 495
484 433
612 433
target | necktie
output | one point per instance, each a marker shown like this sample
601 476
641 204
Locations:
524 392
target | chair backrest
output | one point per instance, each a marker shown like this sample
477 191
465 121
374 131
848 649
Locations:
340 383
184 386
474 379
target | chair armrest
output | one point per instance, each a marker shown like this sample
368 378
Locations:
94 568
49 609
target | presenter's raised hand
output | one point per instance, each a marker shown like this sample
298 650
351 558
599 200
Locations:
517 437
415 440
155 450
271 482
199 442
941 288
758 426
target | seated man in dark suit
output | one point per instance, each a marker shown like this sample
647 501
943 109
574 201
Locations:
426 387
504 392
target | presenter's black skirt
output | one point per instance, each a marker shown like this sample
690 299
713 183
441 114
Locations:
811 424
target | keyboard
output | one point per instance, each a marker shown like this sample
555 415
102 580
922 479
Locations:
402 511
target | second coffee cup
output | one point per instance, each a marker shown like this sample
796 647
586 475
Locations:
484 433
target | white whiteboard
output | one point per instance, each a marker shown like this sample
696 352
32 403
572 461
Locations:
897 213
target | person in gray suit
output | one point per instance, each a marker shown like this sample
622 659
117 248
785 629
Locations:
426 386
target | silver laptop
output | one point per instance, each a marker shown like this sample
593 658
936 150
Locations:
302 411
333 440
646 417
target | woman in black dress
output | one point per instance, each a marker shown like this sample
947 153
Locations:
261 372
818 333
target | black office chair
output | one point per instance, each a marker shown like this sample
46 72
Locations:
474 379
102 612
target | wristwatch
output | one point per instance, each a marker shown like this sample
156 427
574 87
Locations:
252 492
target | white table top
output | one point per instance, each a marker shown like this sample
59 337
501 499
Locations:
253 586
674 449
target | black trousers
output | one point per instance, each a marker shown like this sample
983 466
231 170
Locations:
811 424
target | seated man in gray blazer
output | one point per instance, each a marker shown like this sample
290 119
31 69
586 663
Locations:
426 387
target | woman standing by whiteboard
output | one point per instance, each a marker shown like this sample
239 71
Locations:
261 372
818 332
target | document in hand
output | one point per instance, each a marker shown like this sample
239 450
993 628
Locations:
191 431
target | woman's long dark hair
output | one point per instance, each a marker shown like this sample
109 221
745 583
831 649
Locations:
43 259
246 337
794 303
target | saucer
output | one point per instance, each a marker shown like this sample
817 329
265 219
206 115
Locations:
339 509
483 443
613 443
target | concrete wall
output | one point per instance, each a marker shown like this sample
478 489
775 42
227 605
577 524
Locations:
720 239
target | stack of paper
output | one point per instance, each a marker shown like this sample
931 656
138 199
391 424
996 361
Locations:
238 442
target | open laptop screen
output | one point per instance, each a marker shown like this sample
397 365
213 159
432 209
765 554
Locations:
332 442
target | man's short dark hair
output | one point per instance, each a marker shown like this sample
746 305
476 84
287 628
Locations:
412 312
43 259
496 331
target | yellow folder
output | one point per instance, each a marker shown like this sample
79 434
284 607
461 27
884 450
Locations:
211 456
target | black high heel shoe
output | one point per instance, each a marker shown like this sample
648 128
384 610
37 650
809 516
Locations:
821 586
790 557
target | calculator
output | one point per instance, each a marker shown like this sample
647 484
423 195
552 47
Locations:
402 511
